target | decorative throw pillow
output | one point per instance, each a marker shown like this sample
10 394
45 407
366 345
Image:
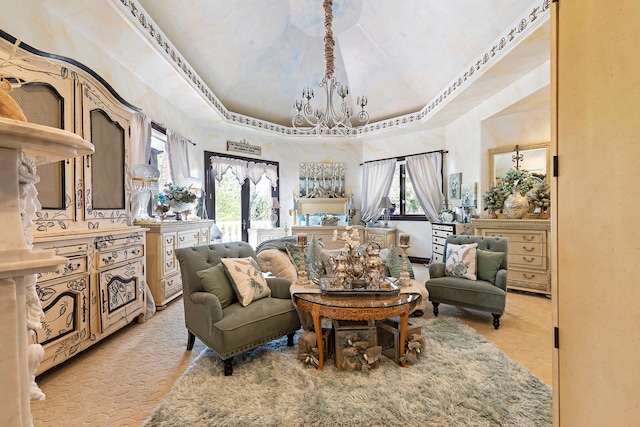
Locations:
489 264
215 281
278 263
461 261
247 279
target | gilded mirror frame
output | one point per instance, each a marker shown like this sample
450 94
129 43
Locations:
522 148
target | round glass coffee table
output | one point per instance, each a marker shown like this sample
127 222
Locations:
360 307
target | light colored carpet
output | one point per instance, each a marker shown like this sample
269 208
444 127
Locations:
463 380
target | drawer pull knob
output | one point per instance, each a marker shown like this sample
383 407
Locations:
525 259
528 238
529 249
528 277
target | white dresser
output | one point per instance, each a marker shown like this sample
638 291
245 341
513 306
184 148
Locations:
439 233
163 238
259 235
529 250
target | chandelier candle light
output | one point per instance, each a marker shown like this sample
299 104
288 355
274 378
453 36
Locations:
327 121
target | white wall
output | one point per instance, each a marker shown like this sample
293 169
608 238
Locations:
504 119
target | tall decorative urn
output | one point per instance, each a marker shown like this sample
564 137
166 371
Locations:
516 205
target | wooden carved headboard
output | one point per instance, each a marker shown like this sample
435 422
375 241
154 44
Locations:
313 206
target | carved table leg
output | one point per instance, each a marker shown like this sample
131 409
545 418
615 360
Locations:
404 321
317 326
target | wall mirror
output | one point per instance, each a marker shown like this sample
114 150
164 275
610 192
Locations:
533 157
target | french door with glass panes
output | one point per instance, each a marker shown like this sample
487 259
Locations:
236 206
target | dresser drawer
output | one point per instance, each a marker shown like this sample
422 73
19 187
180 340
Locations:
188 238
540 277
437 258
171 286
204 236
524 248
444 227
532 261
514 236
442 233
438 249
439 240
169 239
115 256
169 262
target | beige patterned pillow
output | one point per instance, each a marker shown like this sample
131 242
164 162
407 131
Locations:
461 261
247 279
279 263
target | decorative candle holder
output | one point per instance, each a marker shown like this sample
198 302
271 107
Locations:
405 279
303 279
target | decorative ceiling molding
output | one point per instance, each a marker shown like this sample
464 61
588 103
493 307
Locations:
537 14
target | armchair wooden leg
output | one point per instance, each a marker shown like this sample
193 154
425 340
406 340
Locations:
290 339
190 341
435 308
496 320
228 367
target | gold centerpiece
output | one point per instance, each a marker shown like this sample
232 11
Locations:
356 267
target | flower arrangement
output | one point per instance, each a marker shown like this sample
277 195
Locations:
520 177
350 237
174 195
493 199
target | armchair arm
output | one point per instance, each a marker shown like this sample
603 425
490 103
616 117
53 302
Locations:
207 305
436 270
501 279
279 287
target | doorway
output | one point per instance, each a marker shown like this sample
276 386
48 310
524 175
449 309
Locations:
239 193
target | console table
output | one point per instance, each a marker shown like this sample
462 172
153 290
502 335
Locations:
529 251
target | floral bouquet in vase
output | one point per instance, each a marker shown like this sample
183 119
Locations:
179 198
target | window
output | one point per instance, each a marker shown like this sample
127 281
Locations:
403 196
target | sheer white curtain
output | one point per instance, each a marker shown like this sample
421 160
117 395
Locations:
178 150
243 169
140 139
376 182
140 151
425 172
140 154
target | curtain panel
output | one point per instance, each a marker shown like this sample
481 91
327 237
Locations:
178 150
243 169
376 183
425 172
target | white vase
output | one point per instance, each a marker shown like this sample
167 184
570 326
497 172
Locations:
516 205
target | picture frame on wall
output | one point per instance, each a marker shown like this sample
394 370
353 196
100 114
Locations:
469 198
455 181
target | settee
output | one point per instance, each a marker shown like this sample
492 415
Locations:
224 324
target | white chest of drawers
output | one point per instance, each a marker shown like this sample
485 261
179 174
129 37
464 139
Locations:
439 233
529 251
163 238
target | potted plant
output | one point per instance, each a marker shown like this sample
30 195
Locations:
493 200
540 196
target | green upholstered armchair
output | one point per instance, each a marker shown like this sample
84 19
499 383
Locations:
235 328
478 294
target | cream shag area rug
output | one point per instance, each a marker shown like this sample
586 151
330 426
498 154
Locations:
462 380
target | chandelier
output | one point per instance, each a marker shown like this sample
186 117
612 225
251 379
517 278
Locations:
328 120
